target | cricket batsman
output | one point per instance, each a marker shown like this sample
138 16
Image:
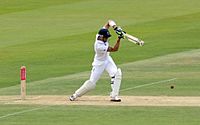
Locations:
103 61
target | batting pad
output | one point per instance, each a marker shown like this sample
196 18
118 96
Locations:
117 83
86 87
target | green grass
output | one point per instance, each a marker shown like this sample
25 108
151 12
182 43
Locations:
183 66
24 5
54 40
75 115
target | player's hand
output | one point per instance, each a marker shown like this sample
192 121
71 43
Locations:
118 30
121 36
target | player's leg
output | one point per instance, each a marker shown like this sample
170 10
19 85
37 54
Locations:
116 86
89 84
116 77
111 68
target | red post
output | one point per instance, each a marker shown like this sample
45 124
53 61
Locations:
23 73
23 82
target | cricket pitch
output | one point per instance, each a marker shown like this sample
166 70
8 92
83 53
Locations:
103 100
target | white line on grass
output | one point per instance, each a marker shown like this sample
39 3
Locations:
149 84
21 112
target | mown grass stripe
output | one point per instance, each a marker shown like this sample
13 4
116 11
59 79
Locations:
22 112
149 84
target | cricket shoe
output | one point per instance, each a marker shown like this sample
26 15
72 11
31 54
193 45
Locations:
72 97
115 99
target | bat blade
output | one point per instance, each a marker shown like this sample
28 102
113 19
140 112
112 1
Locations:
133 39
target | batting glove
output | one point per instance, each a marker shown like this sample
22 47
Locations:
118 30
121 36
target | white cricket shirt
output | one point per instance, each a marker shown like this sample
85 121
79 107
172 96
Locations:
101 54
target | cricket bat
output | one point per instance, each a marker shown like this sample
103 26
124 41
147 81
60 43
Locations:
133 39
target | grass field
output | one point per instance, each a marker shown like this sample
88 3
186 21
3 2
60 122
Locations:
76 115
54 40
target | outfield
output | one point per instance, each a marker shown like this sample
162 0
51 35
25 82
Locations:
54 40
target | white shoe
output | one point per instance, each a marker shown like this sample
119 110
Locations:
115 99
72 97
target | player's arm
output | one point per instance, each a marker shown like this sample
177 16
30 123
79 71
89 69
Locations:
112 24
109 24
116 46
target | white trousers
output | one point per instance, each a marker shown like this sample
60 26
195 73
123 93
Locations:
97 70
